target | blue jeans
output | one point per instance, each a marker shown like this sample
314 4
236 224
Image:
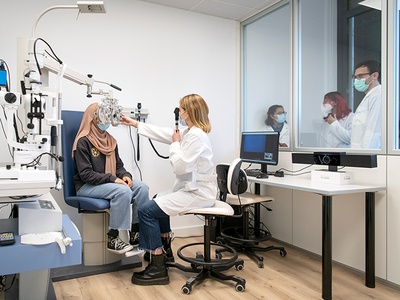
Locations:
153 222
120 197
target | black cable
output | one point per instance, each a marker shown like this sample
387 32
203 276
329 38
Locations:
36 160
4 205
3 286
155 150
34 53
134 153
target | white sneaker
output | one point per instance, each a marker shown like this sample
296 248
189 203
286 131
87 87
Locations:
118 246
135 251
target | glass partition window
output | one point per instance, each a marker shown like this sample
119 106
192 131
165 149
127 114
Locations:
322 58
266 63
395 134
340 102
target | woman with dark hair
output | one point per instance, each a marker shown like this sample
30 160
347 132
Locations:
276 121
336 130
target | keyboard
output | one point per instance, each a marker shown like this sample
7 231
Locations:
252 172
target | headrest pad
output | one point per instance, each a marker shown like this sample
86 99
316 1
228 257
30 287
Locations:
237 178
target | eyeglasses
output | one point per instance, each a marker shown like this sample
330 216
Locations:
360 76
281 113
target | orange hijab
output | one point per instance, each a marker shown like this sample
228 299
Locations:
102 140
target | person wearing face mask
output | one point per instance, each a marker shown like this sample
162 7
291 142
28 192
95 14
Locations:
337 116
276 121
366 126
190 155
100 173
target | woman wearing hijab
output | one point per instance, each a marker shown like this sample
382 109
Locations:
100 173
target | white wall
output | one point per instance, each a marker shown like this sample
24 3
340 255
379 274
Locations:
155 54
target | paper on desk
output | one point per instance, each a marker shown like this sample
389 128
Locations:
40 238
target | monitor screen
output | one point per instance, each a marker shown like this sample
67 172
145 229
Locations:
3 78
260 147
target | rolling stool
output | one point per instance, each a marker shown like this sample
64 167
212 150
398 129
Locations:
202 264
246 238
233 184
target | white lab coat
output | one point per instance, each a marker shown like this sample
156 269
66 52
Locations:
195 185
366 128
337 134
284 135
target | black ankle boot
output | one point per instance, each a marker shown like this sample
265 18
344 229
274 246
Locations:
166 241
156 273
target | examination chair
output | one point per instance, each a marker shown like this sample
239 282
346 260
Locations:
202 263
244 238
95 216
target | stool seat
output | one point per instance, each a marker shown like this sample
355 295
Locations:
247 199
218 209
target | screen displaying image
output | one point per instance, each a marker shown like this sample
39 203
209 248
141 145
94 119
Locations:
260 147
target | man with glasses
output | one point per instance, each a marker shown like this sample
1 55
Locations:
366 126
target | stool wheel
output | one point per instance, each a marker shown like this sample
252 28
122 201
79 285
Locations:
186 289
260 264
239 287
239 267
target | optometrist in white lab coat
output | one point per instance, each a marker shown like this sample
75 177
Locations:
335 129
276 121
366 126
195 186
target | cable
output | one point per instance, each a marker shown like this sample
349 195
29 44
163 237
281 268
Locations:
155 150
3 282
36 160
134 153
34 53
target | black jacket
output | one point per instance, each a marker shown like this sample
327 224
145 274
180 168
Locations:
90 165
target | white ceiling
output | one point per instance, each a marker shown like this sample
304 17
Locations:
238 10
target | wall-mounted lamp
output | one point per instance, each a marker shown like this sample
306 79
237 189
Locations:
83 7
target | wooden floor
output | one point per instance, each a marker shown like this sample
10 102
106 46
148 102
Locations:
296 276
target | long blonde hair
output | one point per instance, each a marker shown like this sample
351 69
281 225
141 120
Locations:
197 111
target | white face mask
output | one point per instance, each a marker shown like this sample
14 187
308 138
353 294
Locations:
326 109
182 122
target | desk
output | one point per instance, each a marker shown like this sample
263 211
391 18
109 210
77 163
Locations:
33 262
13 187
327 191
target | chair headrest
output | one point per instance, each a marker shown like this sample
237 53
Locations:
237 178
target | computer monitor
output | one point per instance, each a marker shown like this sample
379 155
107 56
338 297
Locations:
261 147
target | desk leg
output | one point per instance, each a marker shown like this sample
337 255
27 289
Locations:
257 211
326 247
370 239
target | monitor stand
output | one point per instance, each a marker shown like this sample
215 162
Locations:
264 171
